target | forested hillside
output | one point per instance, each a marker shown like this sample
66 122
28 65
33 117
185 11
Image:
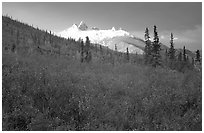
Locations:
52 83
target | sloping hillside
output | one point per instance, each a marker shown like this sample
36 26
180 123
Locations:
29 40
45 87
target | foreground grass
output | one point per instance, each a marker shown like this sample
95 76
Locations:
46 93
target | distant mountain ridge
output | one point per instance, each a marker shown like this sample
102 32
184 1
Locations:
109 38
134 44
94 33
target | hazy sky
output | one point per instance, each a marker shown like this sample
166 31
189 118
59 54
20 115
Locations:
183 19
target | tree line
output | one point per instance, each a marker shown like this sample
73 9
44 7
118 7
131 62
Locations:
152 54
174 59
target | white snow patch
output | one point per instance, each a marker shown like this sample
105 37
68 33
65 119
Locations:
95 36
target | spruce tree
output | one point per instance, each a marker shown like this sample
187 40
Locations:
197 56
127 54
171 52
184 53
116 47
87 50
147 50
50 37
156 49
171 49
147 37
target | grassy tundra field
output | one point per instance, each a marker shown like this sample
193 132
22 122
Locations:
55 92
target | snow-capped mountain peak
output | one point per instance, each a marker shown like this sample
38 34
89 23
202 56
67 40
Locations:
82 26
113 29
96 35
74 26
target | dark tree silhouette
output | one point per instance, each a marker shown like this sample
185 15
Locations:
50 37
148 47
147 37
171 52
116 47
156 49
171 49
87 50
197 56
127 54
101 50
184 53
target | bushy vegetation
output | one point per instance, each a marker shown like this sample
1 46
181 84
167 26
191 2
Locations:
55 94
43 91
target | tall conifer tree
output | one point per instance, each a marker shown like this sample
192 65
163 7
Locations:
156 49
171 52
184 53
197 56
171 49
127 54
87 50
147 50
